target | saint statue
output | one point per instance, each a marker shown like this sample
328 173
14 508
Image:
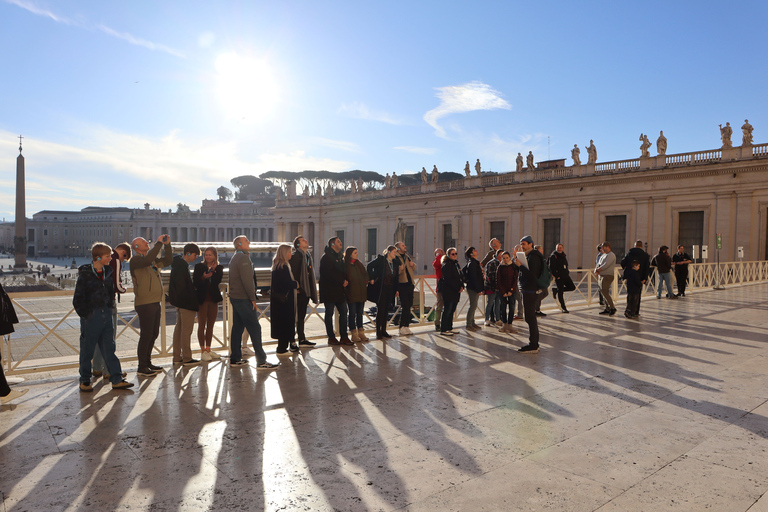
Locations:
477 168
466 170
519 163
318 191
746 130
575 152
353 186
592 152
435 174
644 146
305 193
394 181
387 181
359 184
661 143
725 135
423 176
529 161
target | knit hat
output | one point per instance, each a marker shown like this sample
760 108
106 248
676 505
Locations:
527 238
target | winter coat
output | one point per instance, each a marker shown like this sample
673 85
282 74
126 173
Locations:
91 291
300 266
558 265
381 274
632 277
145 272
528 276
662 262
506 278
357 275
207 288
637 254
473 275
450 284
242 279
491 270
282 304
181 291
332 276
7 313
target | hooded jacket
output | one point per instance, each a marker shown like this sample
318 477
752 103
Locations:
91 291
145 272
181 291
332 276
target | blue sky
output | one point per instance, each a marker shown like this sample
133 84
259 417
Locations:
163 102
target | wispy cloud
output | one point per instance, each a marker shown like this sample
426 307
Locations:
417 150
82 23
359 110
338 144
455 99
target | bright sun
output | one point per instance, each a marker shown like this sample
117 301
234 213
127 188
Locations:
246 87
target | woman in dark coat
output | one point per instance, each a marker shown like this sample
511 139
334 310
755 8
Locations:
558 266
473 277
7 319
381 272
506 280
356 291
282 301
450 286
207 278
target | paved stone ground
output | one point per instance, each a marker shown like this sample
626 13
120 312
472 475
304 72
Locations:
669 413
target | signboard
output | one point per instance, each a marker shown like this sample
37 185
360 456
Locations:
704 252
719 241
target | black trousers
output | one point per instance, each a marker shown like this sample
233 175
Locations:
633 304
149 328
530 303
681 276
406 303
302 301
382 309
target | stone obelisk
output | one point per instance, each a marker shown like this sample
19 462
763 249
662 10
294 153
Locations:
20 240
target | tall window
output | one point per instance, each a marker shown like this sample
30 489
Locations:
497 231
691 229
448 240
616 234
373 249
551 235
340 234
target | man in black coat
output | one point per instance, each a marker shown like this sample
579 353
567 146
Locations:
530 288
303 269
332 284
181 292
637 253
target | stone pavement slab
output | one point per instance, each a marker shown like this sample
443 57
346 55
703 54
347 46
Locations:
666 413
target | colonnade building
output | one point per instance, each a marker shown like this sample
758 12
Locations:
668 200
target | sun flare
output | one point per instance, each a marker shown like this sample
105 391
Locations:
246 87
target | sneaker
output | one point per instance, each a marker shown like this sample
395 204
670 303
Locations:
213 355
306 343
247 351
86 387
529 349
565 311
191 362
403 331
14 394
155 367
454 331
267 366
106 376
293 347
446 333
541 313
241 362
123 384
206 356
97 373
146 372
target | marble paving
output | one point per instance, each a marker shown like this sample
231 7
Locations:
666 413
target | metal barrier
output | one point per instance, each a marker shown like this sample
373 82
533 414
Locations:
58 330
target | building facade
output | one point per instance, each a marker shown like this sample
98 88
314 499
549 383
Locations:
662 200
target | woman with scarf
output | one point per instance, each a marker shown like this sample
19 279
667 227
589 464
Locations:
451 286
506 280
356 292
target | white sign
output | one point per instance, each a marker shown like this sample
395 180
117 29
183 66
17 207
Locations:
704 252
695 252
741 252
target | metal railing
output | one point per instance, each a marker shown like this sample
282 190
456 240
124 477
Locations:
47 338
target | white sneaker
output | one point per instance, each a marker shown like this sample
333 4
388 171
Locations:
213 355
410 332
206 356
248 352
404 331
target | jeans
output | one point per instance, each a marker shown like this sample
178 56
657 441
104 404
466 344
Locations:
507 308
446 321
490 308
519 299
98 361
149 328
530 302
473 296
665 279
329 308
244 317
356 315
96 333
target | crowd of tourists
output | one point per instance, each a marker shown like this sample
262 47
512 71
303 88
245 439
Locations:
514 283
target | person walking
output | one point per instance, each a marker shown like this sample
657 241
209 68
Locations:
437 264
381 288
450 286
604 272
492 296
332 283
148 291
558 266
663 264
597 262
282 301
303 270
206 278
681 260
356 292
529 274
473 278
507 276
181 292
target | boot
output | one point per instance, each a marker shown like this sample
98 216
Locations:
503 328
361 335
355 337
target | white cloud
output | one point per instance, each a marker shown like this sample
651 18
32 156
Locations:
338 144
417 150
82 23
455 99
359 110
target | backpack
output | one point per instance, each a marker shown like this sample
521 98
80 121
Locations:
546 276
